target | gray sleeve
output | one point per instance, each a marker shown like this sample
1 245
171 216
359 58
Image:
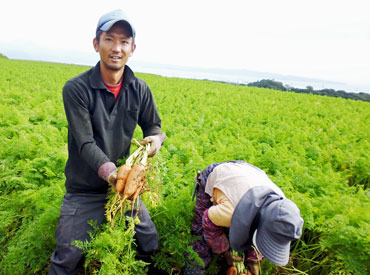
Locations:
80 126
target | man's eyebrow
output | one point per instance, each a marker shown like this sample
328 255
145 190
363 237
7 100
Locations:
119 36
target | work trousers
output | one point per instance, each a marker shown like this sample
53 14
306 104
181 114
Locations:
76 212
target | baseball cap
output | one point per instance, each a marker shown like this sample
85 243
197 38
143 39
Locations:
110 18
280 223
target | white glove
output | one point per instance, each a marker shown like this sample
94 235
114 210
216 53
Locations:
155 143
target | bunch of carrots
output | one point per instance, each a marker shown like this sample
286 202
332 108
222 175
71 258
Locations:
131 182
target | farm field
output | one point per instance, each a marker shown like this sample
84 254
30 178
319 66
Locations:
315 148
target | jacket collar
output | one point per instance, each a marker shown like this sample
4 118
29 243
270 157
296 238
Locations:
97 83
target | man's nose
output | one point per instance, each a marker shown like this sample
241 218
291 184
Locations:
117 46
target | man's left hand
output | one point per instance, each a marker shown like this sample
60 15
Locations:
155 143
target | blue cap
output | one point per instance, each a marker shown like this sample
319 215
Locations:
110 18
280 223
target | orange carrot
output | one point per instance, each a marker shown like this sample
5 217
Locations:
138 192
136 175
139 189
122 177
232 271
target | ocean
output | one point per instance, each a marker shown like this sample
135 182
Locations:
241 76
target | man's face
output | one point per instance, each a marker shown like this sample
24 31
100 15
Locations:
115 47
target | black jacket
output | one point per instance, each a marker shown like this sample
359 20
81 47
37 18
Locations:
100 128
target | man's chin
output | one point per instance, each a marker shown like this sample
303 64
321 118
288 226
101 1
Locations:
114 68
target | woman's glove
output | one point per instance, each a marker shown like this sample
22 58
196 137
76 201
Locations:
254 268
230 258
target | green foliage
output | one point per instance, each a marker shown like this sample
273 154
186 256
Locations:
112 251
32 158
28 221
315 148
173 220
311 146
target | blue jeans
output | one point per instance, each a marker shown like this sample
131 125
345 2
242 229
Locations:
76 211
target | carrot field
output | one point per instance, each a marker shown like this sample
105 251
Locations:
315 148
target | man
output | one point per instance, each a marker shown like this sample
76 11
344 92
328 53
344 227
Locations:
103 106
260 220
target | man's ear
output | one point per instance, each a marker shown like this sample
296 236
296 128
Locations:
96 45
133 49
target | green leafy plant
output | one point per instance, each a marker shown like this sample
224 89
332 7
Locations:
112 251
313 147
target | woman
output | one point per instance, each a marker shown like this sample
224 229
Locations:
238 199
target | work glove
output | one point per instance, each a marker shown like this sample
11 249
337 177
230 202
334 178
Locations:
230 258
155 141
254 268
112 178
108 172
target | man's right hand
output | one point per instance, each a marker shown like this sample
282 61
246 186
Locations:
112 178
108 172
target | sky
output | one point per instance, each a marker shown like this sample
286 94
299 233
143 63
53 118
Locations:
322 39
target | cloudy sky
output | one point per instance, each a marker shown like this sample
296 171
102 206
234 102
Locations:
327 39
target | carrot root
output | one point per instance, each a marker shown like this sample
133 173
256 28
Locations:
232 271
134 178
122 175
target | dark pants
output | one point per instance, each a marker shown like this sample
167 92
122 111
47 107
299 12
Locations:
76 211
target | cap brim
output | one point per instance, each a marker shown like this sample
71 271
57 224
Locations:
276 251
106 27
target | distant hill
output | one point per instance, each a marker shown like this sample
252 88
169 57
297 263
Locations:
3 56
276 85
